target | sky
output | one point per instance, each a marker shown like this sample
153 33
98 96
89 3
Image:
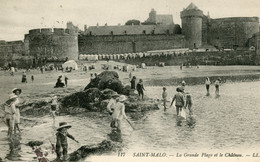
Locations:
17 17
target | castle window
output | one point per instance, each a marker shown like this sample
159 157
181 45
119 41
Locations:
152 32
125 32
168 31
111 32
90 33
144 32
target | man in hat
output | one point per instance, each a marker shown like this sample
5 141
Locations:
61 142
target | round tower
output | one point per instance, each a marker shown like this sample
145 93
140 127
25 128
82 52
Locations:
191 18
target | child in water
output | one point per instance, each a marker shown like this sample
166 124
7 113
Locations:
54 107
188 103
61 142
164 96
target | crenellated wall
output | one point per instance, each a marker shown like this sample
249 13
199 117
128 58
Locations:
57 43
128 44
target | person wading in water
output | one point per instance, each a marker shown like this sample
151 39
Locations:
140 88
61 142
207 82
118 113
179 103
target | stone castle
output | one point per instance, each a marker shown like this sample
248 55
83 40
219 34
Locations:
158 32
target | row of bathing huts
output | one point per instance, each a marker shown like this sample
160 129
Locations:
95 57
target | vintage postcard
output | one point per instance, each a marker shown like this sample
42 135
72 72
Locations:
129 80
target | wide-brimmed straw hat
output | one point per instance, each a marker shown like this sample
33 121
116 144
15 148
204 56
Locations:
63 125
122 98
16 89
11 96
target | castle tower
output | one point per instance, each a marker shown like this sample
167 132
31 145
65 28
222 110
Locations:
152 16
191 18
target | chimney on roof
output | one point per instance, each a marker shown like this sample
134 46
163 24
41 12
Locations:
119 24
97 25
85 27
105 24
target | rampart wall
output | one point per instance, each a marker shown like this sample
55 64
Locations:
127 44
232 32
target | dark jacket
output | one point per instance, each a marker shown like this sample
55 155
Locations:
62 138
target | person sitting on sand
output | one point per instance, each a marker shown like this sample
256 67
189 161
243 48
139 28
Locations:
164 96
61 141
140 88
59 82
179 103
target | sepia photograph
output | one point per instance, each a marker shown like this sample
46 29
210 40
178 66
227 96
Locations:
129 80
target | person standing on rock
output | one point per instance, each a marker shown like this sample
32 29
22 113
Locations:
119 113
133 82
61 140
179 103
207 82
140 88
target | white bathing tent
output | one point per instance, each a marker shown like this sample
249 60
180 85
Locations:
69 64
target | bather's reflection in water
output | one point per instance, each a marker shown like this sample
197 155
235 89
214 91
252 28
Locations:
115 136
14 148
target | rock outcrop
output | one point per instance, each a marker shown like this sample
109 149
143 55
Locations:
105 146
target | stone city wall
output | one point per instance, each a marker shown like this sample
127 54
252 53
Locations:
128 44
232 32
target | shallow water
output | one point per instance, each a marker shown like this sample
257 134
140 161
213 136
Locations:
225 123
